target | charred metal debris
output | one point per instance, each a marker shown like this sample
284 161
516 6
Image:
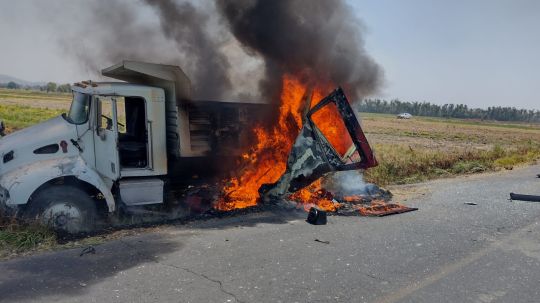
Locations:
521 197
527 198
312 155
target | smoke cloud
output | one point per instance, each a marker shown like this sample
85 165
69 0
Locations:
104 32
319 40
349 183
231 49
187 27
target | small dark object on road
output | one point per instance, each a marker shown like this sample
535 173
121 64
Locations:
88 250
321 241
316 216
470 203
538 176
520 197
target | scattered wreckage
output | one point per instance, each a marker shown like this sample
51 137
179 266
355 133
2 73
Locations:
312 155
527 198
137 147
523 197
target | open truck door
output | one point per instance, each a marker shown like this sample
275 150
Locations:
106 137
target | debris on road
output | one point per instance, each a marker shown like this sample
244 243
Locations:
88 250
316 216
528 198
384 209
322 241
470 203
355 205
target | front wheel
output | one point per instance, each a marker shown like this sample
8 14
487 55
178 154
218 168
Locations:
64 208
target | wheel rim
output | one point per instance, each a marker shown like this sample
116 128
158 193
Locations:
63 216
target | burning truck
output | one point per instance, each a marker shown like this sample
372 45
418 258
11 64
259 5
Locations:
140 145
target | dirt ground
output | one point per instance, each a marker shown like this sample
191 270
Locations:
35 99
432 133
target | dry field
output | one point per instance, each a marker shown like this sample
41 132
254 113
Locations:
22 108
424 148
446 133
34 98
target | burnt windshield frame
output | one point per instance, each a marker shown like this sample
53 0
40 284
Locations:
367 159
80 105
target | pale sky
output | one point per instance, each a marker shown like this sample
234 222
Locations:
477 52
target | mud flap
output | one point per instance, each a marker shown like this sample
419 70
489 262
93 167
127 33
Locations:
312 155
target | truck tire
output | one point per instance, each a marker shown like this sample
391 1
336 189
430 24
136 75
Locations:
64 208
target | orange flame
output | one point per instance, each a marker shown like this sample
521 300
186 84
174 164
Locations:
315 195
266 160
330 123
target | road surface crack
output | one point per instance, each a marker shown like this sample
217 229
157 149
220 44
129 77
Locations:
218 282
221 287
215 281
375 277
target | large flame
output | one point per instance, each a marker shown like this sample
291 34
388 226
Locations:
266 161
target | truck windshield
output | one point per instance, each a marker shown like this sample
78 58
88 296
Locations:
80 107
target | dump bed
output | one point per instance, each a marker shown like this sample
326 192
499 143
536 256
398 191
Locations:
195 128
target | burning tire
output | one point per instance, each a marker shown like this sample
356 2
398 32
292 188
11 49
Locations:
65 208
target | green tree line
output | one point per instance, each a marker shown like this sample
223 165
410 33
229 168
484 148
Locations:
49 87
448 110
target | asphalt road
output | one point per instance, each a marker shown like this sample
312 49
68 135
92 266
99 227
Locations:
447 251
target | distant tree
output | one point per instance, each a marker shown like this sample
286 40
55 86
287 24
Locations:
448 110
12 85
51 87
64 88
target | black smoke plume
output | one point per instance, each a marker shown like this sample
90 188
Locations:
186 26
319 40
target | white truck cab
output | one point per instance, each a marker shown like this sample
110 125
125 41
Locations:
119 144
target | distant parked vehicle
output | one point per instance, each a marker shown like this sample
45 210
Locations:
404 116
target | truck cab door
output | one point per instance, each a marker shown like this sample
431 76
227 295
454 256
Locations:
106 138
